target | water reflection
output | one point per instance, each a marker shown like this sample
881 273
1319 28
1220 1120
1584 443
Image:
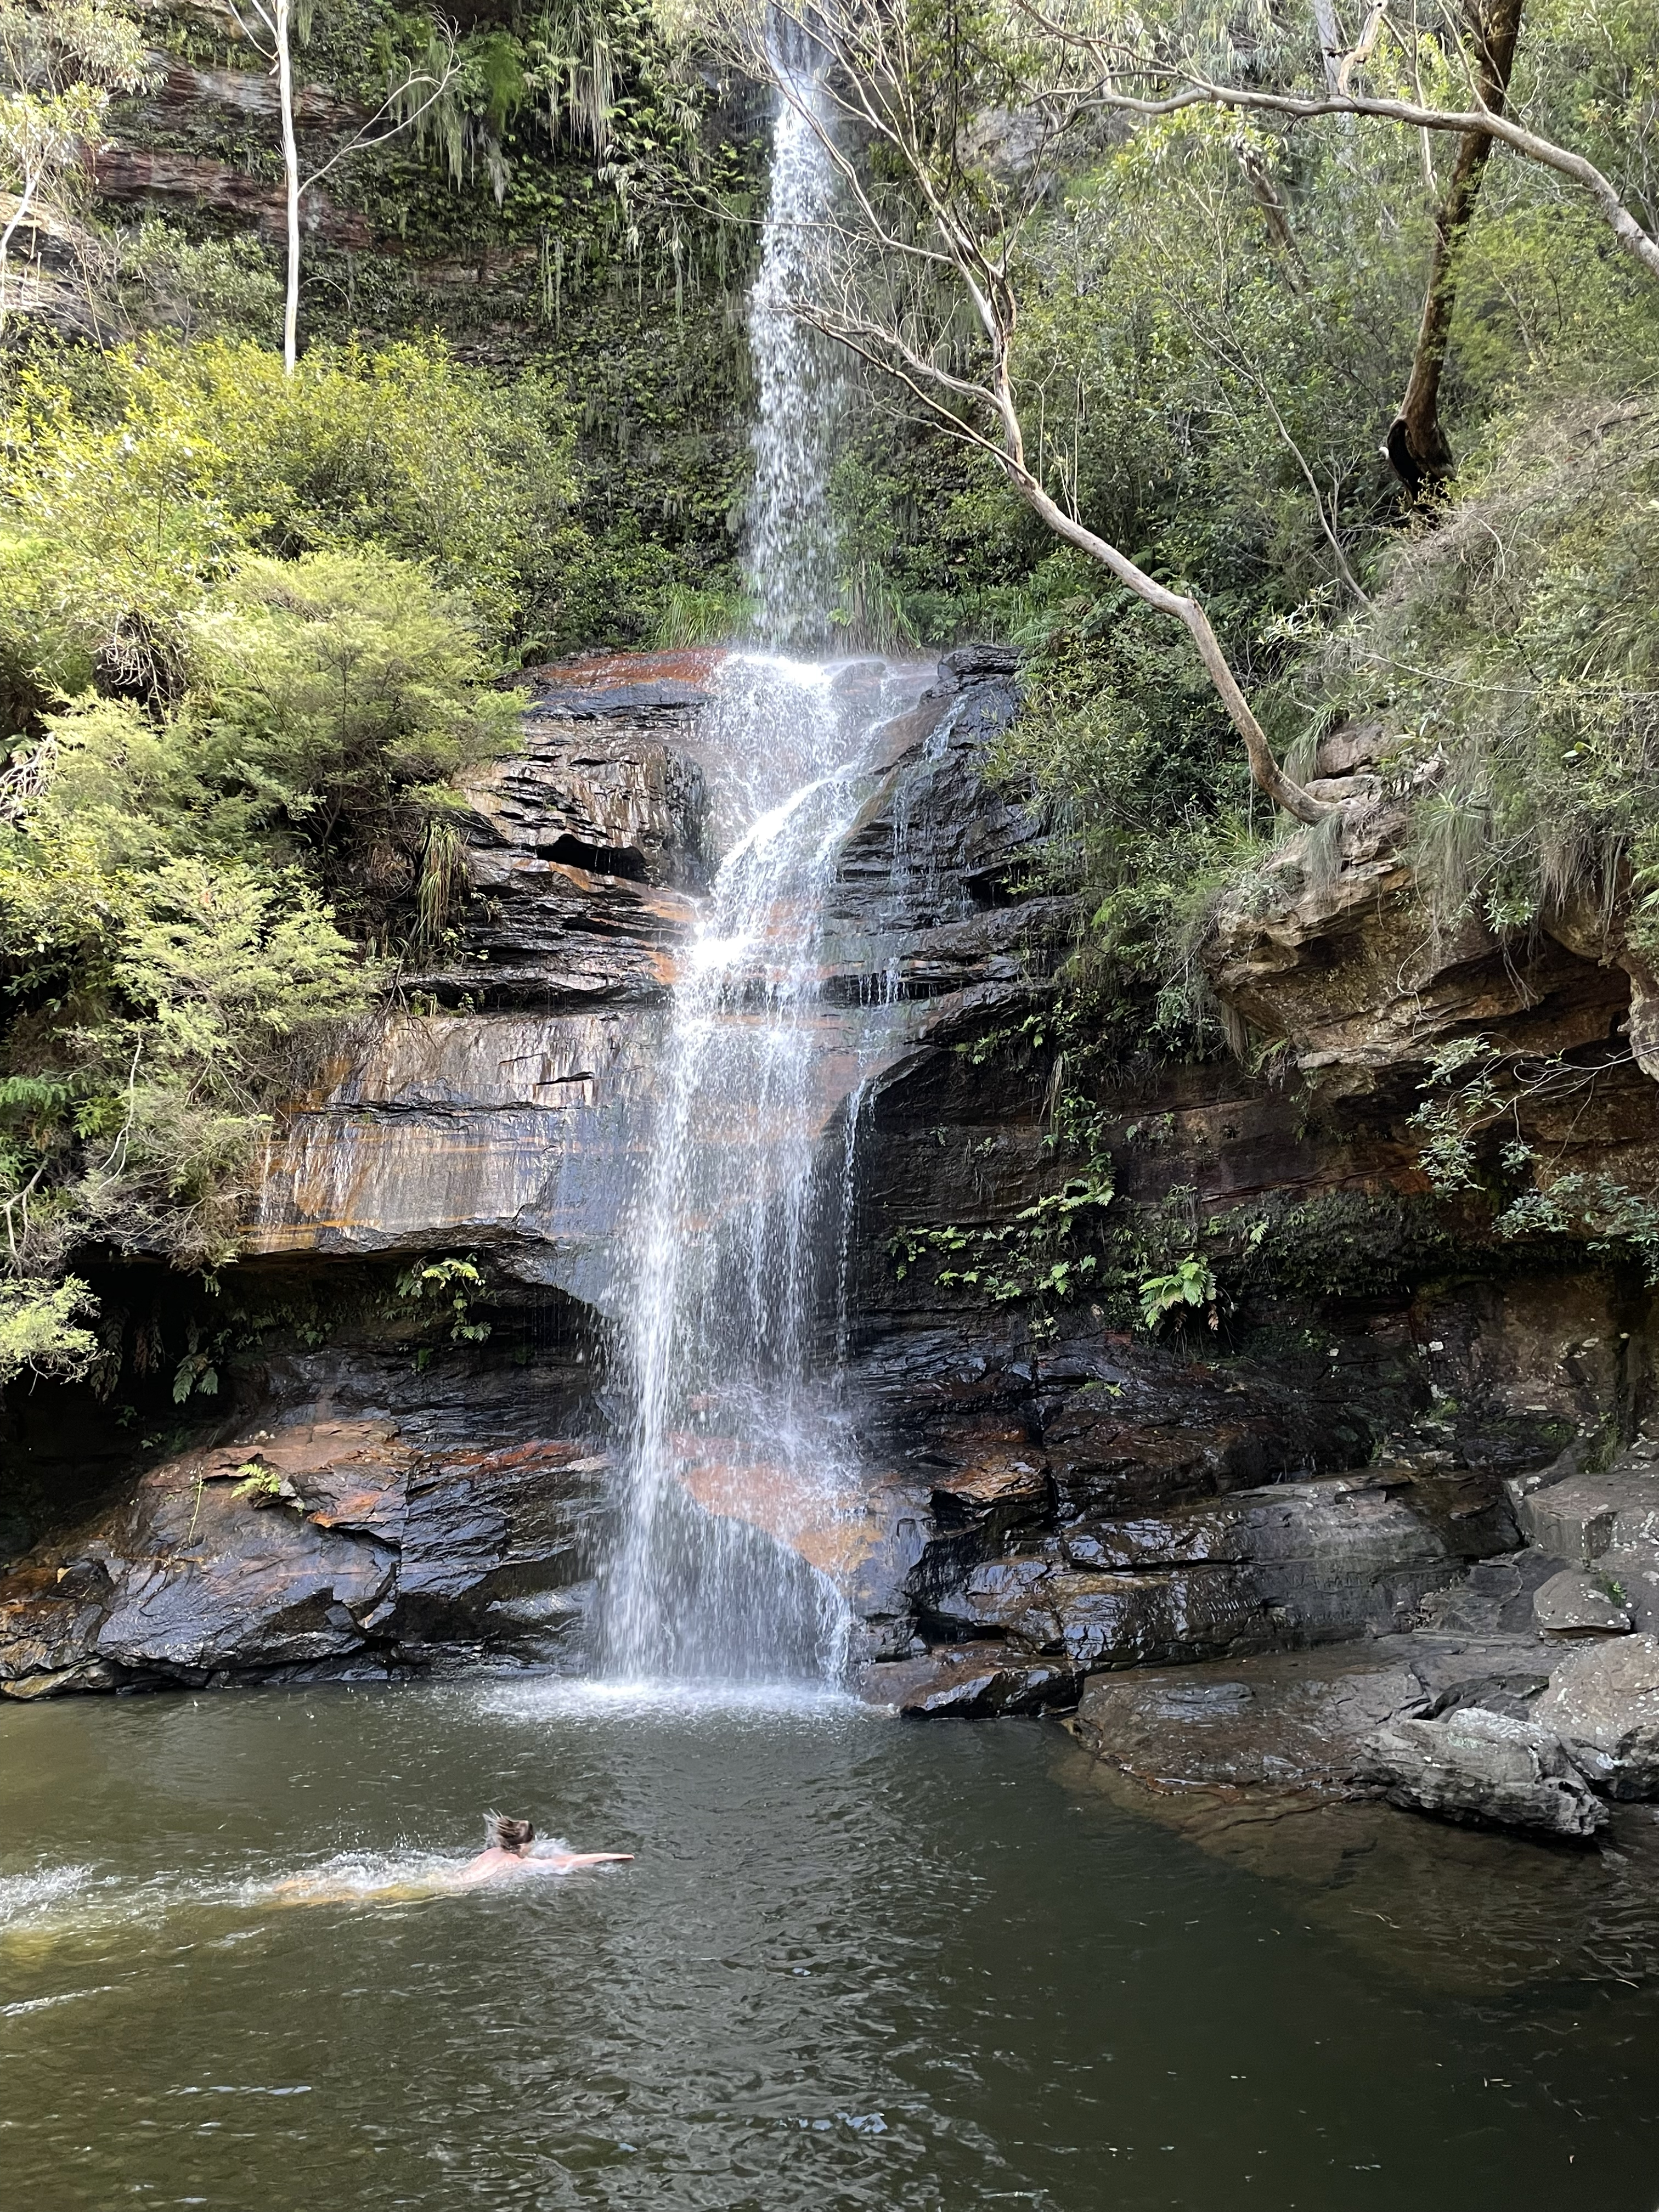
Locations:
1451 1908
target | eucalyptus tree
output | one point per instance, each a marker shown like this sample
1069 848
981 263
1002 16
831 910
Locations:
1449 68
1149 78
268 26
61 63
946 160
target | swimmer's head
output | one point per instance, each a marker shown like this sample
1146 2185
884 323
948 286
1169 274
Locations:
505 1835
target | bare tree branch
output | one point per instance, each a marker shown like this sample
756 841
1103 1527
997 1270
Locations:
1195 89
971 226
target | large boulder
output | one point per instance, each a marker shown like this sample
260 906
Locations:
1475 1765
971 1681
1574 1604
1603 1700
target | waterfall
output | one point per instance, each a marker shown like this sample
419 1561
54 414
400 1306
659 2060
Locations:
791 564
740 1471
740 1467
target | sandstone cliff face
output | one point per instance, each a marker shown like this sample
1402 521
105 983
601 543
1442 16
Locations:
505 1120
1041 1511
1334 950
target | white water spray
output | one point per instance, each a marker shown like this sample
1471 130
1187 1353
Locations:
740 1472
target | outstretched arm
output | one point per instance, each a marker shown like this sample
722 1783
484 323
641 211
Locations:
597 1858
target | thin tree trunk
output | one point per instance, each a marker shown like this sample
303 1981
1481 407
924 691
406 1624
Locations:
1282 789
19 215
1417 444
291 178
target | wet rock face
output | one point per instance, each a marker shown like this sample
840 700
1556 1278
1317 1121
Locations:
1370 1528
367 1529
509 1121
1296 1562
514 1123
973 1682
1480 1711
512 1119
585 847
1115 1504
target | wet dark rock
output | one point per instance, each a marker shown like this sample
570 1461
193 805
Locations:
513 1120
1291 1721
1475 1765
336 1545
1038 1510
1258 1569
976 1681
1496 1597
966 662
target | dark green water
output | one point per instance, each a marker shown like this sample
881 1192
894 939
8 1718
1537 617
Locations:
856 1965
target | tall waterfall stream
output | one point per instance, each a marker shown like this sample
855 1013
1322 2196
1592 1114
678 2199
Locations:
737 1468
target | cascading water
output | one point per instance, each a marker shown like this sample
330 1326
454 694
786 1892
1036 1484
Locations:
791 563
738 1468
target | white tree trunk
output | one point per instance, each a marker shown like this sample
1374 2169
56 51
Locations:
1330 44
25 201
291 180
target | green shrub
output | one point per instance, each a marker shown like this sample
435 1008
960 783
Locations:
1514 657
125 497
40 1327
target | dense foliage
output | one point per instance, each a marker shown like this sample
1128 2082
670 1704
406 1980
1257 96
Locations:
250 634
1217 317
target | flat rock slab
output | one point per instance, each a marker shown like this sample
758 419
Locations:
1289 1720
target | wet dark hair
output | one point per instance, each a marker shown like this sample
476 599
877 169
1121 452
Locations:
508 1835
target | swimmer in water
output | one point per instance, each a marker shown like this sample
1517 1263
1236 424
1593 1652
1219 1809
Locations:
508 1852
